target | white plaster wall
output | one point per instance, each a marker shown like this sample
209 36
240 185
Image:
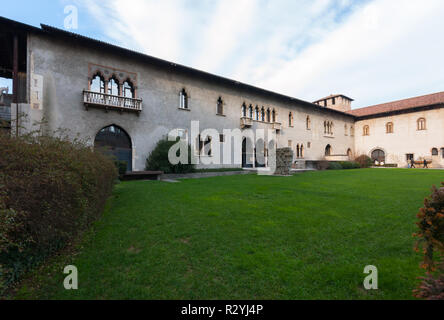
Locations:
405 139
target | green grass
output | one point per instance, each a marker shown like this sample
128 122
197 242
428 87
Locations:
218 170
308 236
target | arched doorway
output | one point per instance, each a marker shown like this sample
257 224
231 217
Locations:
378 155
349 154
260 153
114 141
328 150
247 153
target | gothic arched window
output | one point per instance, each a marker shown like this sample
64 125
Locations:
98 84
113 87
128 90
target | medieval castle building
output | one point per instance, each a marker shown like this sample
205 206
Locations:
129 101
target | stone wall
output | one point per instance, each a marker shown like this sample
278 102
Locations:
405 139
284 160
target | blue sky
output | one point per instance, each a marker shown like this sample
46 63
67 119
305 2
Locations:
371 50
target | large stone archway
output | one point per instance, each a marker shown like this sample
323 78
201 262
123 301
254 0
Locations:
115 141
378 155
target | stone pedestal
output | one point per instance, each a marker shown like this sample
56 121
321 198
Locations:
284 161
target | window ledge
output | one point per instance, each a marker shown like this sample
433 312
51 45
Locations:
220 115
184 109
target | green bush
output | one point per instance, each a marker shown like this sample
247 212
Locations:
158 159
364 161
51 189
334 166
121 167
322 165
349 165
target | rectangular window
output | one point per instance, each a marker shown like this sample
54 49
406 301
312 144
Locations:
222 138
290 143
204 148
309 145
410 156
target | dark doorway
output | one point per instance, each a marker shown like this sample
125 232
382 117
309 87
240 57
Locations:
328 150
114 141
378 155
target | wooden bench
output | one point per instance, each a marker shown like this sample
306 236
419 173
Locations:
420 164
142 175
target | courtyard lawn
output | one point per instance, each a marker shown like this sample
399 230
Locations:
308 236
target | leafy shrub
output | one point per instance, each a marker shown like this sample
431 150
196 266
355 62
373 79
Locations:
121 167
51 189
364 161
334 166
349 165
431 241
322 165
158 159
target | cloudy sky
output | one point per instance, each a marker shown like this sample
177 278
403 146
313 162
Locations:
371 50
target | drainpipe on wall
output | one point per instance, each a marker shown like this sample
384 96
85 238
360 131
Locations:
15 82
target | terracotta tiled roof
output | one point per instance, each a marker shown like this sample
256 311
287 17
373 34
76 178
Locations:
422 101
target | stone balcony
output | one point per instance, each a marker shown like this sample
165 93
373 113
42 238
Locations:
277 126
246 122
111 102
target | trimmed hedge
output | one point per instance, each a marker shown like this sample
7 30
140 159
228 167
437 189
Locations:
349 165
343 165
334 166
51 189
158 159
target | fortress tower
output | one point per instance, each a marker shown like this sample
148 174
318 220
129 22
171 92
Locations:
336 101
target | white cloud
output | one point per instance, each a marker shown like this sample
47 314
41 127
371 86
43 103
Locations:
373 51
